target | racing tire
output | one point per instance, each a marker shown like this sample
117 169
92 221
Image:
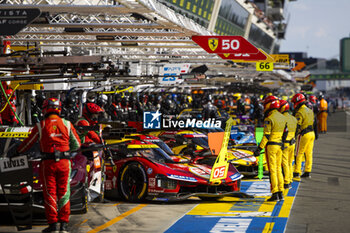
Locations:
133 182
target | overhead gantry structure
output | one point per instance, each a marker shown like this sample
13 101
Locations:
123 30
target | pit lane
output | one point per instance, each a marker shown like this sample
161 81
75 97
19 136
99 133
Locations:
321 204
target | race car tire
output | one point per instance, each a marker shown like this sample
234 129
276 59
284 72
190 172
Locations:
133 182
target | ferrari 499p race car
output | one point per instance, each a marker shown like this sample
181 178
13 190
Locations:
142 170
183 142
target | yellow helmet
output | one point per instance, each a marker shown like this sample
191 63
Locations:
237 96
285 97
189 98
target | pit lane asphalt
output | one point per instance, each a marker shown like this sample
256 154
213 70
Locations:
322 203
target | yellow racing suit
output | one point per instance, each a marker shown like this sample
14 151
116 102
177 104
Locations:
274 125
305 138
289 148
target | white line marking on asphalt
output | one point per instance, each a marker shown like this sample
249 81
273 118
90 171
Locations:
240 214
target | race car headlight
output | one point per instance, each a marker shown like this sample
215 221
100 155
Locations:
165 183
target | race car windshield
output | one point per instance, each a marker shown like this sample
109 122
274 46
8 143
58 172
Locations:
202 141
156 154
164 147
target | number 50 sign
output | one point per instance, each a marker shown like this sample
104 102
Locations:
225 44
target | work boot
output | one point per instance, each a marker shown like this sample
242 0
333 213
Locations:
288 186
64 227
280 196
296 176
274 197
52 228
306 175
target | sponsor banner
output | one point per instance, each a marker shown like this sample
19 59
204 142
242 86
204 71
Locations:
14 134
281 58
171 71
183 178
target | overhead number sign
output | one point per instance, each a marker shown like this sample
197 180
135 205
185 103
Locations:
264 66
248 60
14 20
225 44
244 56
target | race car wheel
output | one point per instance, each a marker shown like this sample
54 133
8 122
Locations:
133 182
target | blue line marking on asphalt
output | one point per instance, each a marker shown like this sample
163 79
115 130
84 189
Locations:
277 209
293 191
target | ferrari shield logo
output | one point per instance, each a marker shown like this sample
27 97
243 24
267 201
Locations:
54 127
213 44
226 54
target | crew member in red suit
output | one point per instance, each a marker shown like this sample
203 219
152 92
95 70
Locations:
8 115
90 118
57 138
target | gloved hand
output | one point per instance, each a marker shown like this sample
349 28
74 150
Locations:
257 152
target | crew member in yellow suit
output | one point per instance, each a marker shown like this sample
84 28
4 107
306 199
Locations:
274 126
289 145
305 136
322 115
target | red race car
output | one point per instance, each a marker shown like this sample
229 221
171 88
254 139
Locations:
142 170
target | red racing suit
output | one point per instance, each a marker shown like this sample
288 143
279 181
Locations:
54 134
8 116
87 137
